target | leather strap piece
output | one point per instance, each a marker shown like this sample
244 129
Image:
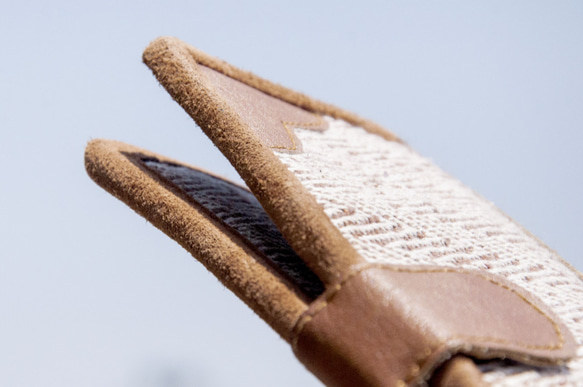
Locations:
393 326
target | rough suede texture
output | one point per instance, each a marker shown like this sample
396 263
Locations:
301 221
116 168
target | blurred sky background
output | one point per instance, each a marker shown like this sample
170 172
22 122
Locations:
92 295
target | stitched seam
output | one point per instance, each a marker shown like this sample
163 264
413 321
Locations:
296 332
289 129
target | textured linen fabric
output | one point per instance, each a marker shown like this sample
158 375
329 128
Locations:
396 207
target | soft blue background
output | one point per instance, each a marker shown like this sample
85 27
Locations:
93 295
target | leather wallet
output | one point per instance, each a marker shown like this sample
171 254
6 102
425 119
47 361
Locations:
377 267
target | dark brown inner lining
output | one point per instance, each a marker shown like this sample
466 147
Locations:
238 210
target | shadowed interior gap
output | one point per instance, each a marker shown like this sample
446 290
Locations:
240 211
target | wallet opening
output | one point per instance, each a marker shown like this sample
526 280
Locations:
237 209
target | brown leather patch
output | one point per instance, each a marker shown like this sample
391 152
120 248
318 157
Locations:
391 326
272 119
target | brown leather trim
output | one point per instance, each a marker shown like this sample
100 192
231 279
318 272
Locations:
292 208
391 326
285 94
116 168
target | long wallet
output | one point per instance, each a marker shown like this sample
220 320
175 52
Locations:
377 267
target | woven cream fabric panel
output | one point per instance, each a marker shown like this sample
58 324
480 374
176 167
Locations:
395 206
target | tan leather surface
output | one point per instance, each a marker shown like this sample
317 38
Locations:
272 119
390 326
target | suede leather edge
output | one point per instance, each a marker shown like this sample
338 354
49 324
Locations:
110 165
285 94
292 208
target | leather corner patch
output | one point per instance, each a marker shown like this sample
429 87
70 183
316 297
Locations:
386 325
272 119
